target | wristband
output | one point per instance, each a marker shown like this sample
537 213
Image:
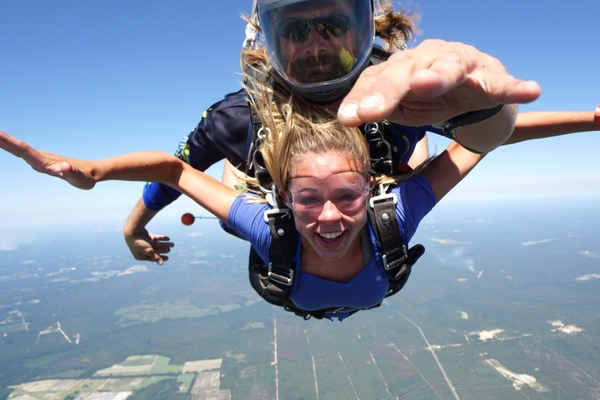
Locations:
469 118
597 117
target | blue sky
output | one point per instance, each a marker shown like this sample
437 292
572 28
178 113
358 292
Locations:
91 79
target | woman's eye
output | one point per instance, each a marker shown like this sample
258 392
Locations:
308 201
349 197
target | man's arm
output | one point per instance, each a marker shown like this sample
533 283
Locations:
221 133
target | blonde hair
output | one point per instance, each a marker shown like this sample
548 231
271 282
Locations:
291 130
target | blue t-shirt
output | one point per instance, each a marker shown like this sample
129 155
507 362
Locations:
368 288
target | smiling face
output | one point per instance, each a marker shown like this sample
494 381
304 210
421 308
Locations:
327 193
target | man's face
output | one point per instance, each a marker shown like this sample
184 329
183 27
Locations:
315 40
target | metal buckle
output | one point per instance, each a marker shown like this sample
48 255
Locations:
387 266
280 278
383 197
337 311
275 210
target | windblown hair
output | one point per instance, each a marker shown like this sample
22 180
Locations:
292 129
395 28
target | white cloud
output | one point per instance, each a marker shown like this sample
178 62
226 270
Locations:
10 241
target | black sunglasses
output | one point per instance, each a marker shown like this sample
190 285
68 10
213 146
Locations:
296 29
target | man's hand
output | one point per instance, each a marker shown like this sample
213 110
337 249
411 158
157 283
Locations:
79 173
430 84
147 247
144 246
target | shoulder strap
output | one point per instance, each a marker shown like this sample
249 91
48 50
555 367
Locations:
283 245
397 259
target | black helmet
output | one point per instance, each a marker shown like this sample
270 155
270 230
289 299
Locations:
319 47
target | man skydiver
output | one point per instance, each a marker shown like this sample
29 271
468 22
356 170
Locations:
322 49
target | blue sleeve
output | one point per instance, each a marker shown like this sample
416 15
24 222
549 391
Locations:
247 219
157 196
401 150
415 200
221 134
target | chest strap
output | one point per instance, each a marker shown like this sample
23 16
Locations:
397 259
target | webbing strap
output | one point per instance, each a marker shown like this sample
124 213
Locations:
397 260
401 276
283 245
388 231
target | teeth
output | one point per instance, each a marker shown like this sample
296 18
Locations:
330 235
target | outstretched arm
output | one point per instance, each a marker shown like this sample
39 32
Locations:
544 124
142 166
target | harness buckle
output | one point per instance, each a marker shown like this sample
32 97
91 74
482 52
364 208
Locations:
387 266
281 279
275 211
382 197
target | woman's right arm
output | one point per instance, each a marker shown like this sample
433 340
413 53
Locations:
545 124
142 166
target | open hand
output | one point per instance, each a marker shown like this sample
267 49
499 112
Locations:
147 247
432 83
78 173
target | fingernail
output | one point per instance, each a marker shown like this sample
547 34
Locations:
348 110
373 101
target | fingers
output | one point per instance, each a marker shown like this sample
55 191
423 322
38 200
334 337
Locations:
11 144
430 83
376 92
514 91
20 149
159 249
159 238
44 162
152 257
146 247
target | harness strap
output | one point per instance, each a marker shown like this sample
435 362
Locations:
280 272
414 253
387 231
397 260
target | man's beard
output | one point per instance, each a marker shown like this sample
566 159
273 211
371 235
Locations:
311 69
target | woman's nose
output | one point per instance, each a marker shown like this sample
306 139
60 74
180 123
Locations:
330 212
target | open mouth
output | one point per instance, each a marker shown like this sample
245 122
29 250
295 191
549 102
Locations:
331 240
331 236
